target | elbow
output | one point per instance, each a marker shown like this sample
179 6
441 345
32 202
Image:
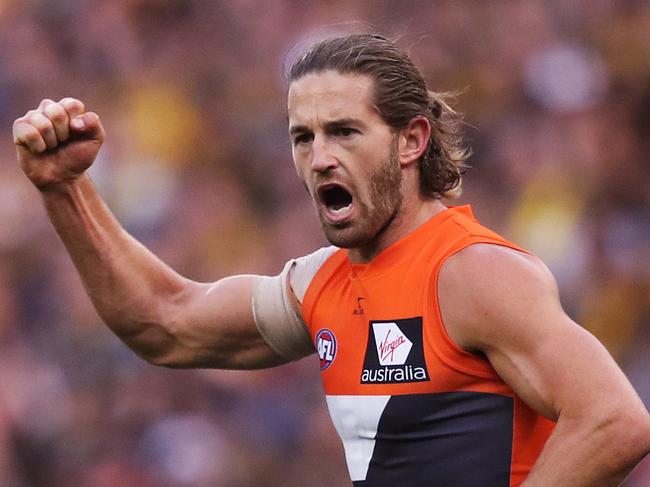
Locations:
166 347
155 352
629 436
159 346
163 360
151 330
642 435
150 340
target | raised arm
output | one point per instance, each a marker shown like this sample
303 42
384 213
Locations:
505 304
165 318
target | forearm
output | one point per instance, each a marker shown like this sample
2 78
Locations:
578 455
128 285
165 318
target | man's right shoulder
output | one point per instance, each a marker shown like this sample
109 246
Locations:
303 269
277 303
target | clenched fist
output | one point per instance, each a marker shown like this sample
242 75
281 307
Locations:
57 142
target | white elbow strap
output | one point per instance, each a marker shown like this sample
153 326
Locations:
278 323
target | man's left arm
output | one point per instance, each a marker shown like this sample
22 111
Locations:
505 304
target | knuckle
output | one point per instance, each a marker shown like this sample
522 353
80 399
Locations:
33 114
56 112
44 104
31 136
39 120
71 103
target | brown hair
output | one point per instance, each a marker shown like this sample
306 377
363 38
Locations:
400 95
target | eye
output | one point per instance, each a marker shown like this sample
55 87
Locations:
345 131
304 138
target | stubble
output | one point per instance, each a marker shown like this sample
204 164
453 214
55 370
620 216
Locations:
385 197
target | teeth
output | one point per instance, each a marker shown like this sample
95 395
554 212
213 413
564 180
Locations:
344 209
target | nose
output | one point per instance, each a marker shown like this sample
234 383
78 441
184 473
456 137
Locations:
322 159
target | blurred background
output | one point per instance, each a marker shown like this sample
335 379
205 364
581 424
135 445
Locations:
197 165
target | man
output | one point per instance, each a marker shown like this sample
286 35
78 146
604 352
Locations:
445 354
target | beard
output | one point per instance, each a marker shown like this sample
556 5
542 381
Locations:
375 215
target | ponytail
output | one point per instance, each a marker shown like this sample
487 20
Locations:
443 163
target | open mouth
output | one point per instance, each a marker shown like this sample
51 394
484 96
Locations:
336 199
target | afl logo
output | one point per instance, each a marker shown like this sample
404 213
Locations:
326 347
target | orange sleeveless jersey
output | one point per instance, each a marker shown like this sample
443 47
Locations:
411 407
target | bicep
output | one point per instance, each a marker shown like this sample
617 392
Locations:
508 308
213 326
560 370
243 322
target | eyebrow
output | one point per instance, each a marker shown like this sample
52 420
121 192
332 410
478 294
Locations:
332 125
298 129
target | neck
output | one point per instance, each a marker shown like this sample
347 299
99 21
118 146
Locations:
407 219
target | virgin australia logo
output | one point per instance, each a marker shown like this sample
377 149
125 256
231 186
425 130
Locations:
394 353
392 345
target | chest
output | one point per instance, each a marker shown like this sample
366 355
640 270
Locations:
371 336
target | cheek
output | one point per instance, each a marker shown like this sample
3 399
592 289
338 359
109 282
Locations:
297 163
375 153
301 174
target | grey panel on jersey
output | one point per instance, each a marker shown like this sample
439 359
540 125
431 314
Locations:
279 324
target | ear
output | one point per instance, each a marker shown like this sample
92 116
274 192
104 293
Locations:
413 140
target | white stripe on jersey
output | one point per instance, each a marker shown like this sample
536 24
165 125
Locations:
356 419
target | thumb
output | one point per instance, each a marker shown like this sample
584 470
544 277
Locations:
88 125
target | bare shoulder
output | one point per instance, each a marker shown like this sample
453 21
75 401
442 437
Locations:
488 265
486 290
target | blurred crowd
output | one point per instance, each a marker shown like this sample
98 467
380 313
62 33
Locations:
197 165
